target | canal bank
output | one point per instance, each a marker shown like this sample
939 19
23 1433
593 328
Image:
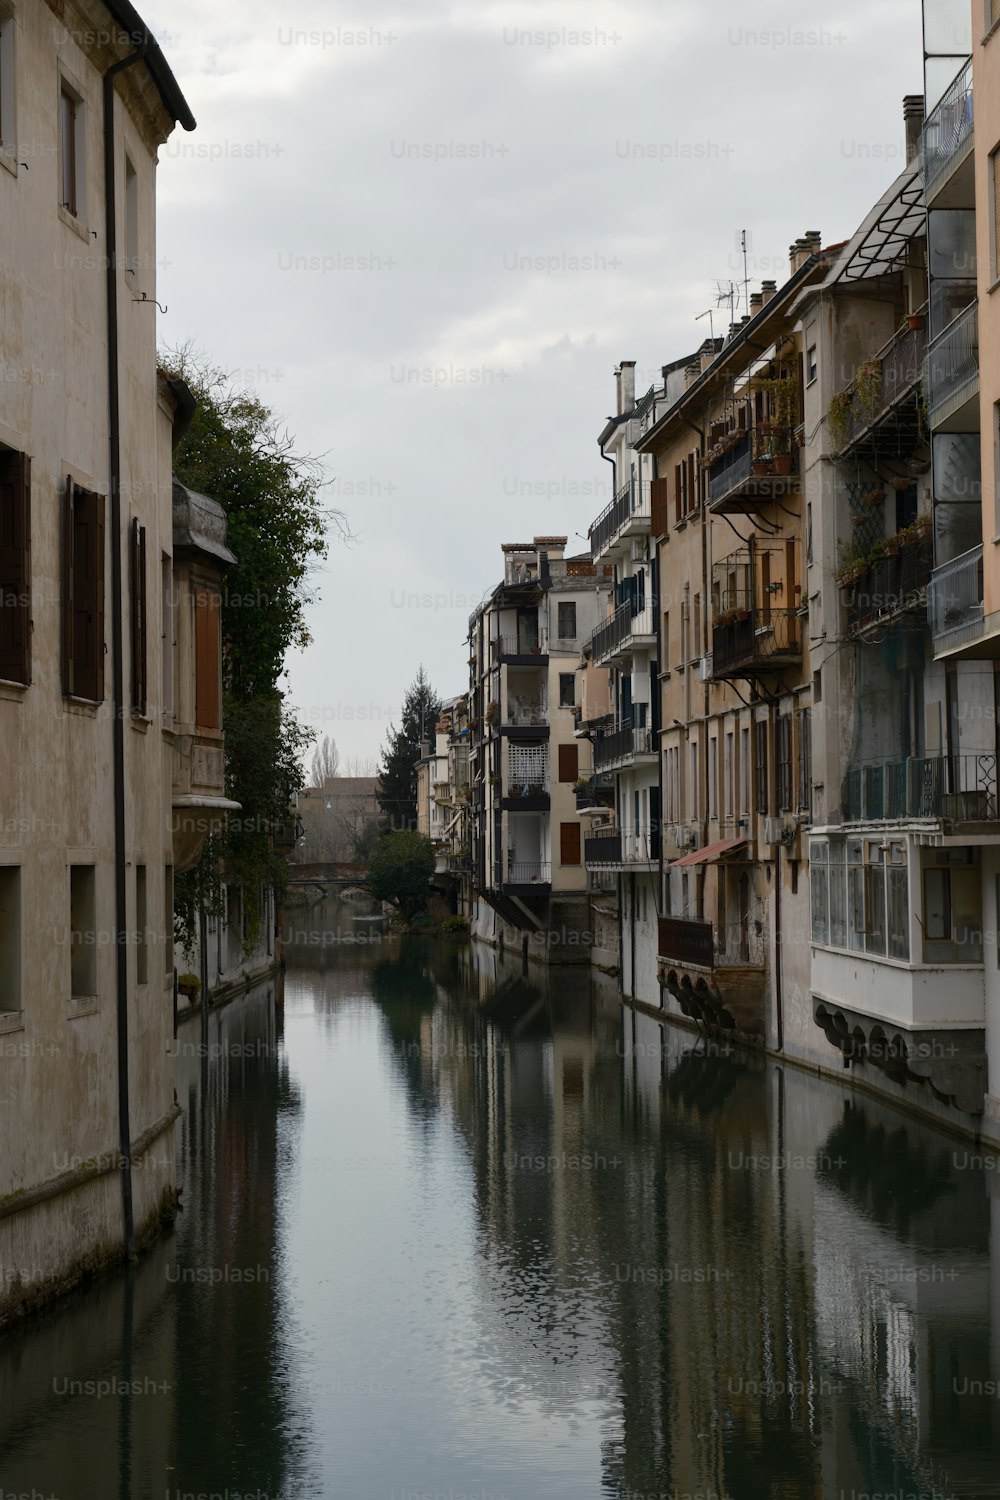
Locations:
447 1227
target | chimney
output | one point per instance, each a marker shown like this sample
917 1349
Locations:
756 303
814 240
691 373
552 546
707 356
913 121
798 254
767 291
626 386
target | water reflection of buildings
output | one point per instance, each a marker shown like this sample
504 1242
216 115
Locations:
735 1269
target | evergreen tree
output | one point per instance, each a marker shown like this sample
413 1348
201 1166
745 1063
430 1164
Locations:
397 773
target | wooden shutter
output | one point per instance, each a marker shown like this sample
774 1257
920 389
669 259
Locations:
679 491
569 762
15 567
83 593
138 615
207 658
995 160
659 514
569 843
692 493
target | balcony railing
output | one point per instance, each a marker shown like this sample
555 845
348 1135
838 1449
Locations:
955 598
892 585
738 945
900 369
758 638
948 131
962 788
603 848
626 622
630 505
622 744
526 715
528 872
731 470
523 644
757 469
953 365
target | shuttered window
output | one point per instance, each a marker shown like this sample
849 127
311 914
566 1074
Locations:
569 762
137 615
783 761
805 761
659 513
207 659
762 801
15 569
569 843
83 593
995 189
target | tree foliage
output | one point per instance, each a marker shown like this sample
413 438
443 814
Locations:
402 864
397 775
236 451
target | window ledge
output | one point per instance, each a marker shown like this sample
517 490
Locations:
11 1020
13 692
939 967
993 284
83 1005
72 222
86 707
9 161
140 722
986 37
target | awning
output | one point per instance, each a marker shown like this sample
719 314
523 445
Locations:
882 244
710 852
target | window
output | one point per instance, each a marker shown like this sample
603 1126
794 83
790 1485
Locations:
567 620
897 901
131 219
744 770
995 214
83 593
809 535
992 13
696 626
137 614
207 658
812 368
567 689
728 804
855 896
804 718
8 126
168 919
819 892
874 923
693 797
141 937
10 938
569 843
783 761
83 931
71 155
953 929
713 775
665 643
762 800
167 638
15 570
569 762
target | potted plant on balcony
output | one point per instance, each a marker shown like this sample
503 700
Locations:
839 416
492 713
868 386
893 544
914 320
189 985
852 564
873 495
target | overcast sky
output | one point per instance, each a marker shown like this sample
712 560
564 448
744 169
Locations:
426 235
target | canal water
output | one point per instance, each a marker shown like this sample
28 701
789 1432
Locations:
453 1231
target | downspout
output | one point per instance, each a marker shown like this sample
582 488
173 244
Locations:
704 615
620 881
779 1017
117 642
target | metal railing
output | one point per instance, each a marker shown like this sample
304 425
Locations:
958 787
901 366
528 872
628 620
621 744
526 715
603 848
953 362
686 942
955 595
949 126
630 503
754 637
519 645
893 584
732 470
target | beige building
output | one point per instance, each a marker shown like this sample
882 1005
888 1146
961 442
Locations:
109 685
528 878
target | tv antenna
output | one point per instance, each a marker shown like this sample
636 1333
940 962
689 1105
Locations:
746 274
711 322
727 292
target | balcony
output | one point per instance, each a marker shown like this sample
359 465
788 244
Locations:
956 788
522 872
628 629
523 649
896 583
524 719
717 978
622 849
755 641
622 747
627 516
955 601
953 372
946 144
757 469
879 415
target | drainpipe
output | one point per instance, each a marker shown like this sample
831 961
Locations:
117 640
778 998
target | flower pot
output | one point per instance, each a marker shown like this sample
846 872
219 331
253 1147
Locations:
915 321
781 463
761 467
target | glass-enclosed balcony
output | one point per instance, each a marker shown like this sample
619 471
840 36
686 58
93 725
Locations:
947 138
955 600
953 370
